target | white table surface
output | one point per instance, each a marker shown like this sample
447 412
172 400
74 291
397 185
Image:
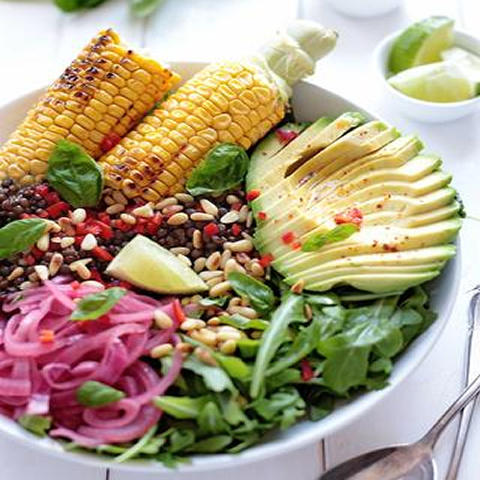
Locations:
37 41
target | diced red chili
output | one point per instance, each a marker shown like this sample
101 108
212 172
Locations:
236 229
36 252
42 190
352 215
29 259
121 225
178 312
109 141
96 276
104 218
141 225
75 285
236 206
285 136
211 229
252 195
79 240
102 254
307 370
154 223
52 197
57 209
288 237
266 260
262 216
296 245
46 336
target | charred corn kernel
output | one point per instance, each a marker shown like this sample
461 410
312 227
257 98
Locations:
89 104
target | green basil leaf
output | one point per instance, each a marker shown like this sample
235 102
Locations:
96 394
20 235
260 295
144 8
36 424
183 408
337 234
98 304
74 5
75 175
224 167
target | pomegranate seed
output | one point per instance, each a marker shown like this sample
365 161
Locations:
211 229
307 370
178 312
236 229
252 195
102 254
42 189
262 216
266 260
56 209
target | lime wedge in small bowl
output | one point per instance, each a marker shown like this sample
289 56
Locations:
421 43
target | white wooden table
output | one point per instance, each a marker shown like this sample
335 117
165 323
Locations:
36 41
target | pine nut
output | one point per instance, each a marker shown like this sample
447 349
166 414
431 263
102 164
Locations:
165 203
192 324
41 271
184 197
205 356
197 240
93 284
16 273
214 281
308 311
184 347
199 264
240 246
233 266
44 242
213 261
243 213
185 260
83 272
67 242
246 312
109 200
201 217
145 211
232 199
229 335
119 197
162 319
89 242
249 221
242 258
180 250
53 227
228 347
128 219
230 217
66 226
115 208
205 336
79 215
213 322
171 209
256 269
220 289
26 285
178 219
209 207
235 301
55 263
226 256
209 274
161 350
298 286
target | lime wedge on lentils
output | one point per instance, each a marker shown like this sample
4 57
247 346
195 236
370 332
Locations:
421 43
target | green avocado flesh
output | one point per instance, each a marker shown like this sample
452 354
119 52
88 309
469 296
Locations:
409 212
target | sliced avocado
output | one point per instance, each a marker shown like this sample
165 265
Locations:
408 212
146 264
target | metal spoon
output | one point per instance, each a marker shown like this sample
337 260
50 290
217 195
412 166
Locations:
403 462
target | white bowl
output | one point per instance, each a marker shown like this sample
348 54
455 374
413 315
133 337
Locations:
309 103
365 8
433 112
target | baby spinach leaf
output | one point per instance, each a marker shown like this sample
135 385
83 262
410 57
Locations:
260 295
290 308
20 235
224 167
36 424
75 175
211 422
181 407
243 323
383 365
98 304
96 394
337 234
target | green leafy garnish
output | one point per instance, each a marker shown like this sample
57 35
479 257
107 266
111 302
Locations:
260 295
75 5
143 8
181 407
96 394
36 424
20 235
337 234
243 323
75 175
98 304
224 168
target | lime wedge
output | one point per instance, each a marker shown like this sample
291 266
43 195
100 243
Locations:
435 82
421 43
466 60
145 264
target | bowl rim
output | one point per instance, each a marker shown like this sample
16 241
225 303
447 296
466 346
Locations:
380 56
271 448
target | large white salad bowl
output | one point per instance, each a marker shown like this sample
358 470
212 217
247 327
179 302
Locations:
309 103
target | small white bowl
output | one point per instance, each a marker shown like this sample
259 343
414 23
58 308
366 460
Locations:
365 8
432 112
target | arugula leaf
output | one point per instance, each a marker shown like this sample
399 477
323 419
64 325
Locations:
20 235
36 424
273 337
96 394
213 302
224 167
180 439
243 323
285 377
215 378
234 366
212 444
269 407
260 295
337 234
248 347
75 175
74 5
137 447
211 422
231 410
181 407
98 304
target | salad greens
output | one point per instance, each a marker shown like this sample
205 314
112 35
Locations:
36 424
140 8
98 304
97 394
17 236
260 295
336 234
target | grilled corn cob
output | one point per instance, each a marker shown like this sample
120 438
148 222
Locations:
104 92
236 102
